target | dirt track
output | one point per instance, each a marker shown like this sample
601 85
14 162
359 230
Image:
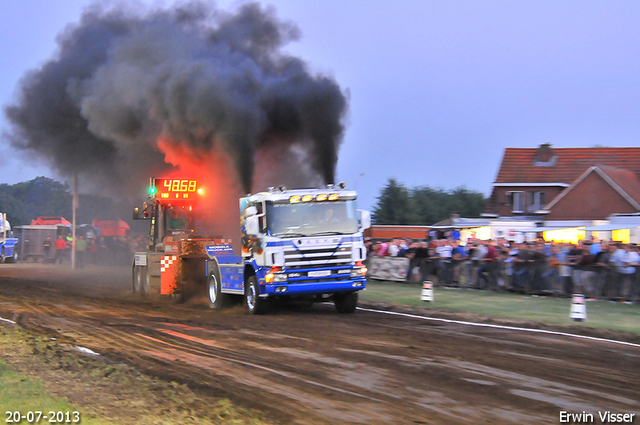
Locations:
304 366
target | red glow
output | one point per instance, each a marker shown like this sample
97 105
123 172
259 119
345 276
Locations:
217 206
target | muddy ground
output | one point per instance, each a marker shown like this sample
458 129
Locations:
302 365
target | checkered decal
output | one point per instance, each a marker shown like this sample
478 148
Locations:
167 261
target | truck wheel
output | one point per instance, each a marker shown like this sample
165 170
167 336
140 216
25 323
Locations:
217 299
255 304
2 257
134 270
346 303
145 273
14 257
140 280
135 279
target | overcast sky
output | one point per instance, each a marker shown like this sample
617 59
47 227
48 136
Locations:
438 89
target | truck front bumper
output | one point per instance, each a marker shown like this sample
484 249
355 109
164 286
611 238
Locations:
301 288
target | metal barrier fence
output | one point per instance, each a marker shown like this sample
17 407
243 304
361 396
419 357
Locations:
531 277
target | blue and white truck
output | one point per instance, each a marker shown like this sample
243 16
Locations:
8 251
302 244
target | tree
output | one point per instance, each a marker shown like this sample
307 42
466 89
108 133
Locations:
428 205
45 197
14 208
41 196
467 203
424 205
393 205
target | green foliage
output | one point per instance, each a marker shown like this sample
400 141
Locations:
394 205
38 197
45 197
424 205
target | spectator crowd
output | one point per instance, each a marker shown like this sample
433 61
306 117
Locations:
597 269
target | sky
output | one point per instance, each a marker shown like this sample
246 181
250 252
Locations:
437 89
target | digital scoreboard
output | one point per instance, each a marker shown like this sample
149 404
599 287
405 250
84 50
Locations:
174 189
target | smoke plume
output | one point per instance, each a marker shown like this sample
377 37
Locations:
132 94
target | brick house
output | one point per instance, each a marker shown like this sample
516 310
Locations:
556 184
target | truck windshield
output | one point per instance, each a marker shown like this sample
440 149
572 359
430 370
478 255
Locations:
312 218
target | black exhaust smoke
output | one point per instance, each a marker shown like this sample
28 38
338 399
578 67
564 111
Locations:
198 78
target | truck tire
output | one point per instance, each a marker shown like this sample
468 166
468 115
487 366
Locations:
346 302
255 304
217 299
134 272
140 280
2 257
14 257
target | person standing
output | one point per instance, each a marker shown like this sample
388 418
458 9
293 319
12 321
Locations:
393 249
81 249
628 271
633 260
488 263
459 257
46 249
445 254
61 246
618 260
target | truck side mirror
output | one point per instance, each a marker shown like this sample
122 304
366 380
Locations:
144 215
365 219
251 226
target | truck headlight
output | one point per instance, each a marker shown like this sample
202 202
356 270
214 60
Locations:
359 272
275 277
280 277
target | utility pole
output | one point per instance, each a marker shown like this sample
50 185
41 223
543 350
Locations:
73 228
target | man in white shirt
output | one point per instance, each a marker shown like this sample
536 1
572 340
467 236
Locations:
393 248
632 259
623 273
445 271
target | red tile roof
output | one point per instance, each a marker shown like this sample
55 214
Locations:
519 164
627 180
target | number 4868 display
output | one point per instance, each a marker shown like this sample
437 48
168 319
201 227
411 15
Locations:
180 185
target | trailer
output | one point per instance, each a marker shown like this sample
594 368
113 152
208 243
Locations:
31 240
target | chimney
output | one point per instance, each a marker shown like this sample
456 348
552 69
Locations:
545 153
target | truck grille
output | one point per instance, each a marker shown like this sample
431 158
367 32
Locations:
313 256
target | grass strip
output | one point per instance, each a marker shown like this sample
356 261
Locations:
552 310
38 374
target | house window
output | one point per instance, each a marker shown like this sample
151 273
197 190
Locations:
516 200
536 201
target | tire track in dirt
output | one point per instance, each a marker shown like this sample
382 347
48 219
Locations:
149 340
315 366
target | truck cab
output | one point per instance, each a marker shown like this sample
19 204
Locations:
303 243
8 244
